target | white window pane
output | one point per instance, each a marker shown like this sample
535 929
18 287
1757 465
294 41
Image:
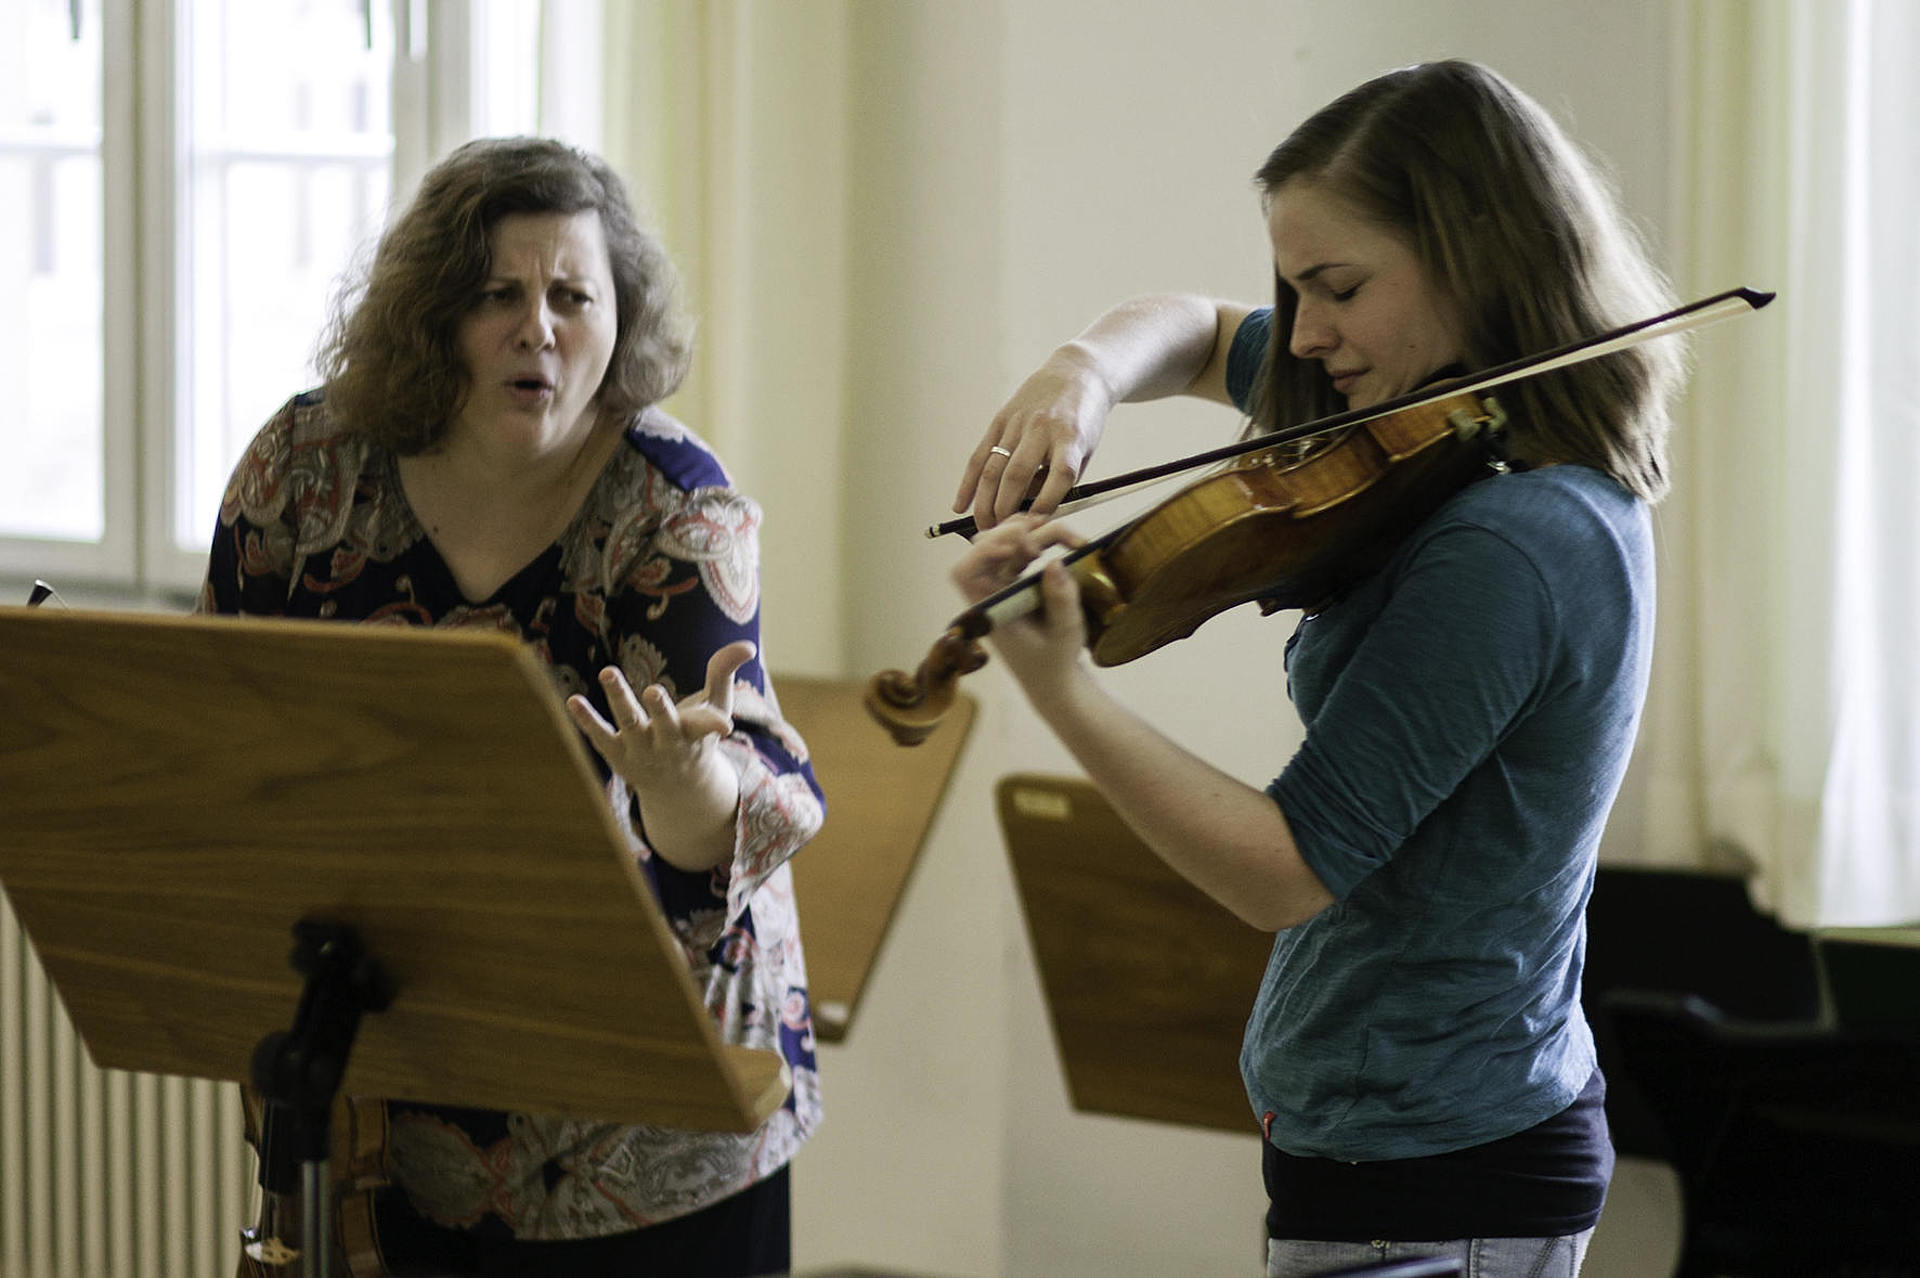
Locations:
290 143
51 458
507 36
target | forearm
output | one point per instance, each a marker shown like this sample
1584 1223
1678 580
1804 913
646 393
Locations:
1227 838
1156 345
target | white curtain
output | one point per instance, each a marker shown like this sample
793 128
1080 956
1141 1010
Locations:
1785 721
730 121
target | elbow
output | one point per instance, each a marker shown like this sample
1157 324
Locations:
1262 920
1288 906
1269 919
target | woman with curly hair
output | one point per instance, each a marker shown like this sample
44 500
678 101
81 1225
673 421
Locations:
486 450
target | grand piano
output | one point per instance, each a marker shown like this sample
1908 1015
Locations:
1777 1072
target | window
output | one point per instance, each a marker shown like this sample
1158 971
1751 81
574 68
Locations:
52 459
288 167
177 252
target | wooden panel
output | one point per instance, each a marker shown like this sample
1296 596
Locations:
180 790
1148 981
881 800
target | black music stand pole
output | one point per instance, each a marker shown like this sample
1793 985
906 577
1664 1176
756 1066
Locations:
297 1073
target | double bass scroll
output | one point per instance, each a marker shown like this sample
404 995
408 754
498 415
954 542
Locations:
273 1246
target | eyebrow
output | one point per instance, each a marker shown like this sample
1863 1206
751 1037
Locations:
564 281
1307 276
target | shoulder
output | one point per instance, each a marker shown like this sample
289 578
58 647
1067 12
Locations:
302 450
674 452
1554 511
1580 542
1244 355
667 493
304 434
303 423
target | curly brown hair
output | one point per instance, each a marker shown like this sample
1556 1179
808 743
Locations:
1514 224
389 362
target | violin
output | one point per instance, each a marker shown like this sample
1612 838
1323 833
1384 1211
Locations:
1285 526
1287 533
273 1247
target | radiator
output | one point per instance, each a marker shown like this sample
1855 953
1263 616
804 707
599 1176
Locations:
103 1173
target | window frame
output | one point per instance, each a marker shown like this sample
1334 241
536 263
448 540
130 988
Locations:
165 385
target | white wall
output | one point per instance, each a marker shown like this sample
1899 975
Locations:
1017 167
908 1171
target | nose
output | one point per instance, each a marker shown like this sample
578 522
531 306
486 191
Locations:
535 331
1313 333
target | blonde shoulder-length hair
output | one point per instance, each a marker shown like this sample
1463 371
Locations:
1519 228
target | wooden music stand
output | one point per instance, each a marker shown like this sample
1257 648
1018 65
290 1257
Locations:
881 801
1148 981
181 791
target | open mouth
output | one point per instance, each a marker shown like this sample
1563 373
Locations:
531 391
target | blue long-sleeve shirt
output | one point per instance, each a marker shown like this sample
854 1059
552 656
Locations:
1469 711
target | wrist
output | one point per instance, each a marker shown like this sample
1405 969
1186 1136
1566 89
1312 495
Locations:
1080 362
1061 694
701 796
706 783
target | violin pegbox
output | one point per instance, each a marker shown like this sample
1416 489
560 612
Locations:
1489 426
1491 419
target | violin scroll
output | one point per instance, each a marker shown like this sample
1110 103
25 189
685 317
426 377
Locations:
910 706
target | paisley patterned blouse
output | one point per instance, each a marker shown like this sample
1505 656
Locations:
659 568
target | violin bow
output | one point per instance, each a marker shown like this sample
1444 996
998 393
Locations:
1698 314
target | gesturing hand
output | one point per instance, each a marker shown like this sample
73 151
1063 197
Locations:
651 735
667 751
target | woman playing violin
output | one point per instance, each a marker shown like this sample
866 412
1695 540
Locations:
1417 1057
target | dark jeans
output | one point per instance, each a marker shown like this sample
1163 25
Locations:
745 1236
